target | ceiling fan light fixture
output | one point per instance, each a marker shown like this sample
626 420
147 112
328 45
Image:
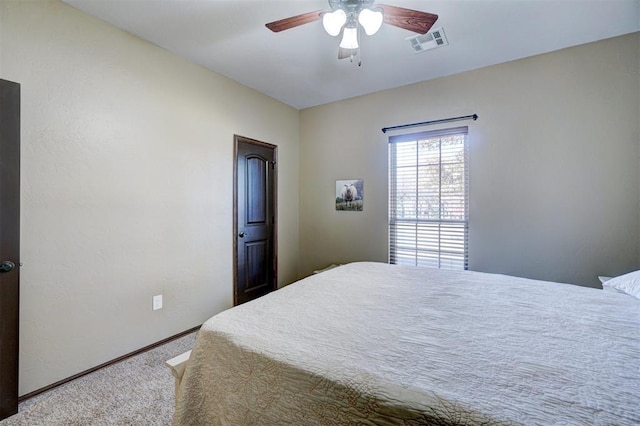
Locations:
349 38
333 21
371 20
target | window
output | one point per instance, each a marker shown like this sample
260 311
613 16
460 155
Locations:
428 199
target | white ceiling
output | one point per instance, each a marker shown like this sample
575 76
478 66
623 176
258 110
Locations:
299 66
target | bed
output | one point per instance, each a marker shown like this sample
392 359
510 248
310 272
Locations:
371 343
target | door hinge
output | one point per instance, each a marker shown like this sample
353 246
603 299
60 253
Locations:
273 164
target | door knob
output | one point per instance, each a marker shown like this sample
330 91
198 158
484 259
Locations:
242 234
7 266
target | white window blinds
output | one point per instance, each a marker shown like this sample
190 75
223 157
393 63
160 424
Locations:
428 199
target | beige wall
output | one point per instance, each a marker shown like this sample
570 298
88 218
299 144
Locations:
554 162
127 163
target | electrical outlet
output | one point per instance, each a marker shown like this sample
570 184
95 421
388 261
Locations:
157 302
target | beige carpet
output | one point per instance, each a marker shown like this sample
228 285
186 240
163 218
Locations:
136 391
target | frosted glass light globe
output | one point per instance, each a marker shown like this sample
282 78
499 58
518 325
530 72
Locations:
333 21
371 20
349 38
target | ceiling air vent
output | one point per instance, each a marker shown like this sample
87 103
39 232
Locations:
428 41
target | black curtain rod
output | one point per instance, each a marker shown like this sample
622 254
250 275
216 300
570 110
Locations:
426 123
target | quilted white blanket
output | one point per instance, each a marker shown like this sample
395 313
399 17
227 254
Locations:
370 343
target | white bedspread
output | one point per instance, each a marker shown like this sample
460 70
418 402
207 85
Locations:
370 343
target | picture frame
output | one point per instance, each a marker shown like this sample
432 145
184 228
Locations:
350 195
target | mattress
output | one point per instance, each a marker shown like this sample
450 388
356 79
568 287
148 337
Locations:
371 343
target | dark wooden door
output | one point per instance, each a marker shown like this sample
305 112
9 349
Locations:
254 224
9 245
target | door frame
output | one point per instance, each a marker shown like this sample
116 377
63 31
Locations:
237 139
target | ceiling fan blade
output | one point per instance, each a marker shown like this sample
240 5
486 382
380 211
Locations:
294 21
346 53
408 19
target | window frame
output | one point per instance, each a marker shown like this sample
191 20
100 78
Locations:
456 230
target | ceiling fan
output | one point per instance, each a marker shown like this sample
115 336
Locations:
346 17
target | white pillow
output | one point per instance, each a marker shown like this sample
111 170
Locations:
627 284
